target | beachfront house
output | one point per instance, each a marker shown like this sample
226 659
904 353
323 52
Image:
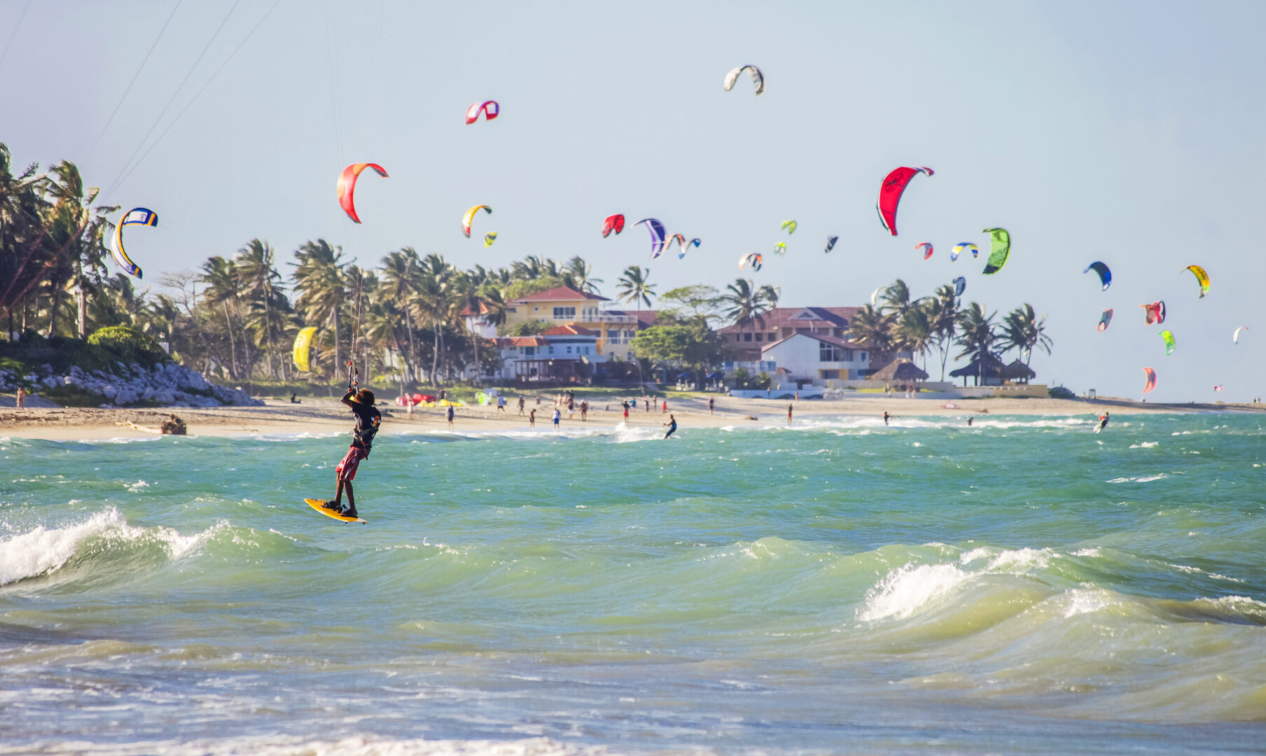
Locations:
800 345
561 355
563 306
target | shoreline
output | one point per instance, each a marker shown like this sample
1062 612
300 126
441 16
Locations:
321 416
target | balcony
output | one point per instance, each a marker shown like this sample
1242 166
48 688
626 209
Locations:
607 317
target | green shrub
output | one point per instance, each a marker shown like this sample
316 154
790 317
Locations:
129 345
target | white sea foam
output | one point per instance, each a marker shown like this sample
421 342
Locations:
1145 445
907 589
1142 479
44 550
1086 602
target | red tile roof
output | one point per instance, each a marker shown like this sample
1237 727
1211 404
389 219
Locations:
561 294
790 317
569 330
506 342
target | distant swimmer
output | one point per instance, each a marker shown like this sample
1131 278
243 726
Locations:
1103 421
885 417
672 426
367 420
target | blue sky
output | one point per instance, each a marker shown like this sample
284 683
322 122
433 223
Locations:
1124 132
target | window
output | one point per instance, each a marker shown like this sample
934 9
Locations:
828 353
551 350
628 335
747 337
846 355
760 337
863 356
569 350
830 374
564 313
529 351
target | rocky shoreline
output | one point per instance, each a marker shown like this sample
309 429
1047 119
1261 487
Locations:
166 385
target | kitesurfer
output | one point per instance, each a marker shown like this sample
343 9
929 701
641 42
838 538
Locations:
969 422
672 426
885 417
1103 421
367 421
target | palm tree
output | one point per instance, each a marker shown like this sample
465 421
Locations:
401 272
222 289
1021 330
896 299
914 331
872 330
743 303
977 337
255 266
581 273
636 289
942 309
320 281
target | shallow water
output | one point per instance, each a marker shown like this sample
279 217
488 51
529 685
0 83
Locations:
1023 586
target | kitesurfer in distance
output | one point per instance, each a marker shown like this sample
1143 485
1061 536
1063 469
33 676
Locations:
367 421
1103 421
672 426
885 417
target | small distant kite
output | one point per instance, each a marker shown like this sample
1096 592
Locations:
890 194
780 248
681 253
489 108
925 248
1201 277
1154 313
1104 320
1169 342
830 243
874 297
758 78
1151 380
347 186
137 216
1000 249
962 247
490 238
1235 337
469 217
1217 387
789 226
1105 275
613 223
658 240
960 285
752 259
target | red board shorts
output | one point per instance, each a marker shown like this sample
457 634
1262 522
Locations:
347 468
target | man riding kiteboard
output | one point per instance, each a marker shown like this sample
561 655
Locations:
367 421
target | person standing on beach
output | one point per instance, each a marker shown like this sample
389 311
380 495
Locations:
672 426
501 403
665 407
584 410
367 420
712 405
557 417
571 405
521 403
532 418
885 418
21 398
449 415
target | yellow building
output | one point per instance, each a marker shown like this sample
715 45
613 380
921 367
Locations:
566 306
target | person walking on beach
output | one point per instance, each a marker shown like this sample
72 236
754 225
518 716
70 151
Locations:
450 415
557 417
532 418
501 403
885 418
571 406
584 411
672 426
521 403
367 420
712 405
21 398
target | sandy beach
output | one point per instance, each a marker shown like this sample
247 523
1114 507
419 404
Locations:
328 416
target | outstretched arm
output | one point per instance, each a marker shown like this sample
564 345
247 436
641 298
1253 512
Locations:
347 398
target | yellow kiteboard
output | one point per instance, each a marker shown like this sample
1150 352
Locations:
319 505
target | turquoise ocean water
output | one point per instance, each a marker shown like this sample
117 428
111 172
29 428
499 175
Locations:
1023 586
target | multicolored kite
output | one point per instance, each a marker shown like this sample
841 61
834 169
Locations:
137 216
489 108
469 217
1169 342
830 243
1105 275
1000 249
962 247
1201 277
925 248
657 235
1151 380
890 194
1104 320
1154 313
347 186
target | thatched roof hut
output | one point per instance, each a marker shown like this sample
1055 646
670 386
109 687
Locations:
991 374
1018 372
899 370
